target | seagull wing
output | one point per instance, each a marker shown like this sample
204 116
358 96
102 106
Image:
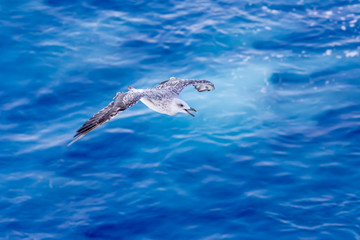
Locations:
178 84
122 102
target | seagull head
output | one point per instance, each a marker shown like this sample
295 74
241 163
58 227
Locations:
183 107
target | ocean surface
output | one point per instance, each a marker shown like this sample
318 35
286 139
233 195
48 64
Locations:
273 152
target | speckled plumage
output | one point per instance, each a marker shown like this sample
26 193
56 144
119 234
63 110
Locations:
161 98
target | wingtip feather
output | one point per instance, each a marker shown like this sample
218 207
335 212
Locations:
77 138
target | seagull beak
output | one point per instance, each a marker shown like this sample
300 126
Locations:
191 109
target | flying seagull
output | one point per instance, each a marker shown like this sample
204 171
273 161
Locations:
163 98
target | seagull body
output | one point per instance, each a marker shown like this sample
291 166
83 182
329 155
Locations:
160 106
162 99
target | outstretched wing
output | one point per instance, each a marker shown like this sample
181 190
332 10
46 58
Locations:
122 102
177 85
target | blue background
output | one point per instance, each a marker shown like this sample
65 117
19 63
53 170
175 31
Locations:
273 152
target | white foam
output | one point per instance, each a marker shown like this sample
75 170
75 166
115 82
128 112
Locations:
351 54
328 52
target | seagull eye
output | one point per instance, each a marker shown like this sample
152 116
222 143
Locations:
181 105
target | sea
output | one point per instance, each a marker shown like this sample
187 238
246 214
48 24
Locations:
273 152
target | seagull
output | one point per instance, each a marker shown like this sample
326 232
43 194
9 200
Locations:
163 98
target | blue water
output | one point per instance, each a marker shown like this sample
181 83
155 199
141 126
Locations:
273 152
